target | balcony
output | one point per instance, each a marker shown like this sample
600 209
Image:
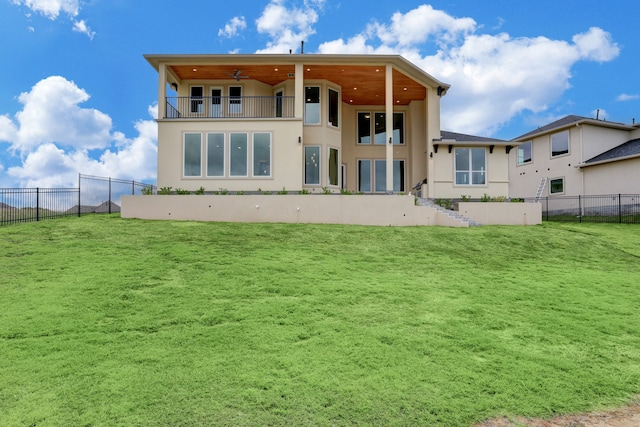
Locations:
230 107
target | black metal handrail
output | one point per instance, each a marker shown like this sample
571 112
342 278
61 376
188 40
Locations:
215 107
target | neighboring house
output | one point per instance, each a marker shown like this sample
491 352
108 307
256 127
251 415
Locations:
362 123
576 156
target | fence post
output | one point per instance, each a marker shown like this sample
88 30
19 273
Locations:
37 203
620 208
580 208
109 194
79 195
546 210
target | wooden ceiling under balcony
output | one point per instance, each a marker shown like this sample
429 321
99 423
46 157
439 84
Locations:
361 84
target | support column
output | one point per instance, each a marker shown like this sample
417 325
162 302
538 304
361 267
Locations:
162 91
299 91
433 132
389 125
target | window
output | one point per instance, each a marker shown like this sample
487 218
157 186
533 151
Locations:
333 166
279 95
238 154
379 174
556 186
560 143
524 153
235 99
216 98
197 92
334 104
215 154
470 166
261 154
365 126
192 154
364 176
312 105
312 165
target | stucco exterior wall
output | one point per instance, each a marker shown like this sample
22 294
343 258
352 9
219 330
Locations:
621 177
502 213
286 154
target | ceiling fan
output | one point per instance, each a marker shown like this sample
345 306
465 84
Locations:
237 75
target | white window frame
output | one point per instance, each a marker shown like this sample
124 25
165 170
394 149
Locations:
253 155
216 110
337 112
556 193
319 121
372 129
184 154
520 162
551 137
247 156
319 167
359 180
401 185
470 171
224 154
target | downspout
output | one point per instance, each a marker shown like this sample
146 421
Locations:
581 158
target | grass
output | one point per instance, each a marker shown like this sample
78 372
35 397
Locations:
111 322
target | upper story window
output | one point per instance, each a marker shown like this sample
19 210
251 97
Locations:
312 105
524 153
377 128
334 106
560 143
235 99
197 92
471 166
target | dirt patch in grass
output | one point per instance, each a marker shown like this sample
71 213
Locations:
628 416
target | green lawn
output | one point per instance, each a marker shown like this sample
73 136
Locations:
112 322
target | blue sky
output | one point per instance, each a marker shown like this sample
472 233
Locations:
77 95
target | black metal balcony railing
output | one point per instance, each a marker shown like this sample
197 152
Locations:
246 107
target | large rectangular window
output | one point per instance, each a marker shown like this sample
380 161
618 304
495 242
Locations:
215 154
364 176
333 166
379 128
560 143
238 154
524 153
312 105
470 166
364 128
261 154
312 165
556 186
334 105
192 154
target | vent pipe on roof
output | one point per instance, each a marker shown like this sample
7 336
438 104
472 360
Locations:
597 114
302 46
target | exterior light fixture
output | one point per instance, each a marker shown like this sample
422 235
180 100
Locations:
390 140
299 140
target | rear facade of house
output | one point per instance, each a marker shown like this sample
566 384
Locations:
318 123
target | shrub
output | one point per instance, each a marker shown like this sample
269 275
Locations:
147 190
283 192
182 191
199 191
164 191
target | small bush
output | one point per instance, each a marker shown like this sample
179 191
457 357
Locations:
182 191
199 191
304 191
283 192
147 190
465 198
164 191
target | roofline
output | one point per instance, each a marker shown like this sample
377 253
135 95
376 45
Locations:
621 126
615 159
472 143
401 63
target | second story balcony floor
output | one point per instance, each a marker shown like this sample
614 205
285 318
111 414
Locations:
230 107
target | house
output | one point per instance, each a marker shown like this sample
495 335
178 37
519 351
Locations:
317 124
576 156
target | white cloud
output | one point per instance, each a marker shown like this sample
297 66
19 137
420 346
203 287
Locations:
52 8
493 77
231 29
627 97
81 27
287 27
57 139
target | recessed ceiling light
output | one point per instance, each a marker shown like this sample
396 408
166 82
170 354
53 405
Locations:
195 69
275 69
405 88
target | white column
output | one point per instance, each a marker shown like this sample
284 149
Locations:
162 91
299 91
389 125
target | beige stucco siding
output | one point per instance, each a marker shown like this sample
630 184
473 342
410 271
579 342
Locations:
618 177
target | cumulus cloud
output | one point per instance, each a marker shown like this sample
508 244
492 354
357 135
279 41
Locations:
81 27
56 140
52 8
233 27
287 27
493 77
627 97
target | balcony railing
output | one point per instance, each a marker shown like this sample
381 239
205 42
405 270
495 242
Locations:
224 107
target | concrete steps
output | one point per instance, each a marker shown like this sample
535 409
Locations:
453 215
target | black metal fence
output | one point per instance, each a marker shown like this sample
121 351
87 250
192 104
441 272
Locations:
612 208
93 195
